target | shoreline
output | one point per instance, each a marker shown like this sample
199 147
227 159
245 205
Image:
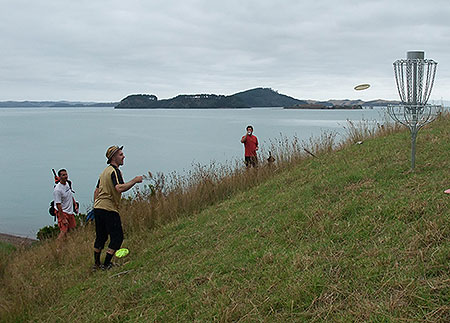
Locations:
16 240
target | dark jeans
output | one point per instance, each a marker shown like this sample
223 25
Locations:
251 161
107 223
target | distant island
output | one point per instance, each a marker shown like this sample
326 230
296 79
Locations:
253 98
195 101
325 106
258 97
266 97
54 104
341 104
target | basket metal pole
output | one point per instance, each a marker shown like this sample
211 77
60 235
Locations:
414 112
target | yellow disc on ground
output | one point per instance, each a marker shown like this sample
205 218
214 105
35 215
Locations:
122 252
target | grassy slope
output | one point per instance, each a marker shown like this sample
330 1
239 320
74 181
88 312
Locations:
352 235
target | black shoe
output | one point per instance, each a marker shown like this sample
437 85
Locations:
96 267
109 266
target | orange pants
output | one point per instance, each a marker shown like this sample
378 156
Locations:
65 221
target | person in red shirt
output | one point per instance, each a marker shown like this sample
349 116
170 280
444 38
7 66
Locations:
251 147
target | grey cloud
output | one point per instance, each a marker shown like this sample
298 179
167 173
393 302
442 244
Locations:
105 50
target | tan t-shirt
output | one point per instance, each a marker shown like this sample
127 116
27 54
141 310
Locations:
108 198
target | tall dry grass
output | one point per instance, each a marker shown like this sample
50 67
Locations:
167 197
36 277
363 129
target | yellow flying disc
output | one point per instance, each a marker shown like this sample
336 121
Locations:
362 87
122 252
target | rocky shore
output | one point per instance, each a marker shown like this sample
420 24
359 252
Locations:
15 240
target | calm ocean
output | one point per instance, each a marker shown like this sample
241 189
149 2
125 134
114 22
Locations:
35 140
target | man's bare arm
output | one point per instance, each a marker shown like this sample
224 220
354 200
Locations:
126 186
59 208
95 193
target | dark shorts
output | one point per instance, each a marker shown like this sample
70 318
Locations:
251 161
108 223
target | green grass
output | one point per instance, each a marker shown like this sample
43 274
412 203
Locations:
353 235
6 248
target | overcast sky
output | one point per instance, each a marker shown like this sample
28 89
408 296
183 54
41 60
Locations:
104 50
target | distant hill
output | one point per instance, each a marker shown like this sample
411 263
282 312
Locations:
53 104
347 102
325 106
195 101
137 101
380 102
266 97
259 97
341 104
330 104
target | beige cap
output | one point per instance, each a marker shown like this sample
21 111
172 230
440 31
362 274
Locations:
111 151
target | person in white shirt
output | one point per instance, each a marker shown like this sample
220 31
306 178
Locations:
65 204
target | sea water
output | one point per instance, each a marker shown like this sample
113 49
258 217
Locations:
35 140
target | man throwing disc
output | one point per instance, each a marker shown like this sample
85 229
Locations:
251 147
107 197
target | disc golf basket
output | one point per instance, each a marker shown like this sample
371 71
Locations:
415 78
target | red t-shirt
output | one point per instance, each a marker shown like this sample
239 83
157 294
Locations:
250 145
